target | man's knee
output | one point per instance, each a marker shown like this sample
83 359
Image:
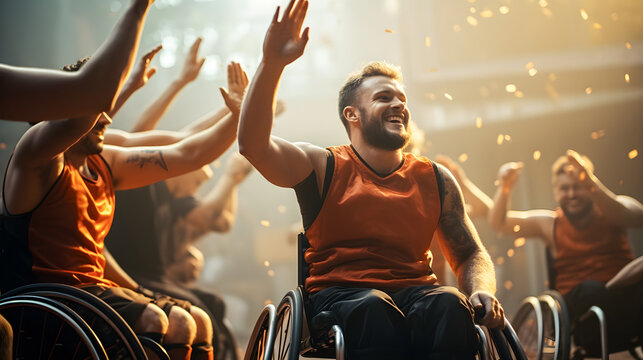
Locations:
182 327
449 303
152 320
203 325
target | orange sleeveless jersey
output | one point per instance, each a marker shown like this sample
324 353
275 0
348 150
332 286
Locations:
67 229
597 252
374 231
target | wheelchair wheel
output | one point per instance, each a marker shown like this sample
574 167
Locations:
506 343
115 335
556 330
288 328
263 335
47 329
528 322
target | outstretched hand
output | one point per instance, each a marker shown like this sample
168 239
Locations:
142 73
285 42
494 314
579 169
508 174
193 63
237 85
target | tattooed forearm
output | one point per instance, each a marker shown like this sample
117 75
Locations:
143 157
458 236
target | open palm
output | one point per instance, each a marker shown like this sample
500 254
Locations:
285 41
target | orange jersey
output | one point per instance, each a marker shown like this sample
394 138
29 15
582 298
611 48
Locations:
597 252
64 234
374 231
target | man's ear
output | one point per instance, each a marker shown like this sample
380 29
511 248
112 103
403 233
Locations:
352 114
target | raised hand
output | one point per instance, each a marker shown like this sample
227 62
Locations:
142 73
237 85
192 64
508 174
579 169
285 42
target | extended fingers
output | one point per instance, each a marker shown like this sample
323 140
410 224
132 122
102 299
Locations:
300 13
150 55
194 49
287 12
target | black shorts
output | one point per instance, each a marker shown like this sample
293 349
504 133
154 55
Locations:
130 304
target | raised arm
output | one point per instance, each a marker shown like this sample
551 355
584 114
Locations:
139 166
531 223
619 209
218 210
191 68
476 201
237 84
466 255
28 94
279 161
138 78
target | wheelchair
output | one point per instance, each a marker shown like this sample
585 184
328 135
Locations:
53 321
544 328
283 332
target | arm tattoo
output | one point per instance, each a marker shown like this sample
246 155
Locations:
154 157
457 233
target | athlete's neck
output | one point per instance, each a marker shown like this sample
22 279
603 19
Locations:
79 161
383 162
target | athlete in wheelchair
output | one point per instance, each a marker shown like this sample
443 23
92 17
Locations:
370 212
591 263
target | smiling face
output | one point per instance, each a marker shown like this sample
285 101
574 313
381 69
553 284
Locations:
384 116
574 198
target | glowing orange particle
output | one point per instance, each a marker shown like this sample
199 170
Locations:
266 263
271 273
627 78
537 155
632 154
509 285
516 228
389 31
448 96
500 139
628 45
597 26
463 157
588 90
478 122
511 252
427 41
504 10
519 94
265 223
472 20
519 242
500 260
583 14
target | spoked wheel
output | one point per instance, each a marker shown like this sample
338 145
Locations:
117 338
528 322
556 332
289 323
46 329
263 335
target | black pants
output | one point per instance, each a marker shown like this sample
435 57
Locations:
420 322
623 310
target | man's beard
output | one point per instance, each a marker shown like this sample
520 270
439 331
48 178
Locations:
580 214
376 135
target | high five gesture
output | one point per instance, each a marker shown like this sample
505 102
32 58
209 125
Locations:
285 41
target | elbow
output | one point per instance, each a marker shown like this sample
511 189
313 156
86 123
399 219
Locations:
223 225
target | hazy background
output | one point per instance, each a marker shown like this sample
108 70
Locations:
489 81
